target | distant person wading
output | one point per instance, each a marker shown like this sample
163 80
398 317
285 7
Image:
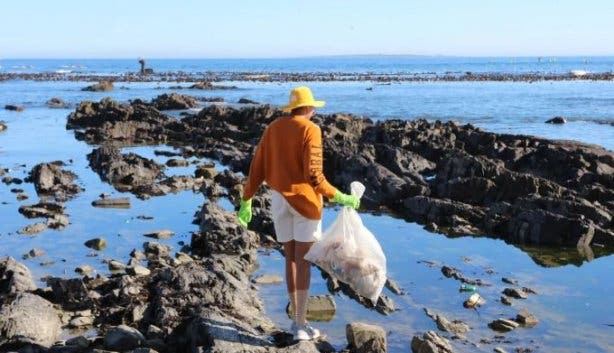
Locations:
289 159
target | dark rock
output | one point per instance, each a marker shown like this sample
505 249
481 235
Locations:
72 293
556 120
268 279
96 244
456 177
124 171
206 85
2 128
174 101
29 319
366 338
246 101
15 277
157 249
430 342
456 327
50 179
160 234
428 209
102 86
509 281
211 99
123 338
528 290
33 228
108 120
21 197
177 162
546 228
57 103
503 325
514 293
78 341
526 319
506 300
138 270
84 270
451 272
384 304
394 287
36 252
14 107
119 202
116 266
167 153
42 209
206 170
9 180
220 233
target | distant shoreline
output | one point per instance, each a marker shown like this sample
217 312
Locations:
265 76
341 56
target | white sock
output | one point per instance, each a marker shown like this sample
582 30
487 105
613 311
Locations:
292 296
301 307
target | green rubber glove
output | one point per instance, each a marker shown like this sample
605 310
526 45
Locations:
346 200
245 212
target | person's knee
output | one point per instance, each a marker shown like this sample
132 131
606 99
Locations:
289 251
301 249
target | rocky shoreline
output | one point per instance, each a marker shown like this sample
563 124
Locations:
454 179
385 78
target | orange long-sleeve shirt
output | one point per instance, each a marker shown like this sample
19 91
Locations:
289 158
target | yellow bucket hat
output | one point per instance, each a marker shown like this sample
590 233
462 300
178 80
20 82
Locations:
302 97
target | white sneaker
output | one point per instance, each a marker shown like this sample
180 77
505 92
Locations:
305 332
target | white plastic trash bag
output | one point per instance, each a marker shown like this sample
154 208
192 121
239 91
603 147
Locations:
349 252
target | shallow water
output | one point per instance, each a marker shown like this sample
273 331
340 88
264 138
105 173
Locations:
574 301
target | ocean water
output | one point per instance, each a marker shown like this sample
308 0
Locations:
574 300
374 63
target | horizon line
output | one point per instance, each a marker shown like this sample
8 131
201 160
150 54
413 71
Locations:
311 57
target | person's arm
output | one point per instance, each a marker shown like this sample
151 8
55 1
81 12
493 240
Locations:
256 171
313 163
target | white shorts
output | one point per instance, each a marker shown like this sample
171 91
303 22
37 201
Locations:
291 225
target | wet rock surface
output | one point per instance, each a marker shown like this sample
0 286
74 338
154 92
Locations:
102 86
14 107
174 101
203 302
28 319
461 179
455 327
108 120
31 229
51 180
118 202
57 103
366 338
458 178
14 277
556 120
124 171
54 212
430 342
208 85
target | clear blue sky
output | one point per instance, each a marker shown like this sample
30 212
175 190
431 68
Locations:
287 28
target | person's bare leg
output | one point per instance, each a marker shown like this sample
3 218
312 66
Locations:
289 251
303 278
